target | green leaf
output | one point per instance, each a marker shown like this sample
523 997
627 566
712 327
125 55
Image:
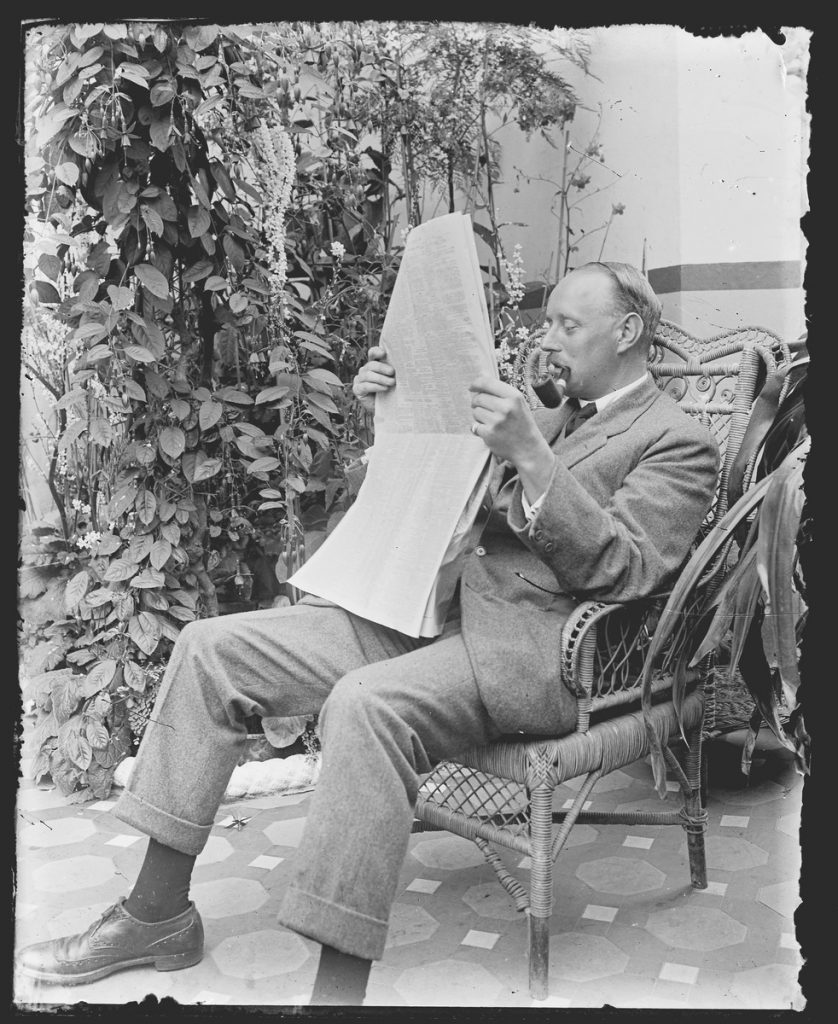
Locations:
172 441
134 73
171 532
122 499
160 553
271 394
76 589
134 676
326 376
234 252
68 173
139 547
96 734
101 431
215 283
50 265
159 130
98 678
209 414
146 506
153 220
85 145
47 292
120 569
100 596
108 544
206 469
72 434
201 269
198 221
121 298
322 402
230 394
238 302
148 578
152 279
264 465
144 630
132 389
184 614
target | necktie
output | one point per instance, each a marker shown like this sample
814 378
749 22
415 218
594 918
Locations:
579 415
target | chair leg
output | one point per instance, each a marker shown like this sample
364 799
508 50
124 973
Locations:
695 816
541 888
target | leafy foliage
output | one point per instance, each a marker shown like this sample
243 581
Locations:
212 237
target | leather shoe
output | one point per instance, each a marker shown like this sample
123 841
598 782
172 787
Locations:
115 941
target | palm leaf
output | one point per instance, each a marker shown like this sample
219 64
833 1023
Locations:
675 609
776 553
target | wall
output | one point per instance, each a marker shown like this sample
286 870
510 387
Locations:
705 145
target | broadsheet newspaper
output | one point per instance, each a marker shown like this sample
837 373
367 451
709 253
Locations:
393 556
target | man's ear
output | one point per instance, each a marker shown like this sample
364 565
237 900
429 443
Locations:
630 332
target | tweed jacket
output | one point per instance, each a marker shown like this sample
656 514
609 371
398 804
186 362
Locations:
628 492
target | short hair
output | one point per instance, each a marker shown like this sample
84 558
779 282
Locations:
633 294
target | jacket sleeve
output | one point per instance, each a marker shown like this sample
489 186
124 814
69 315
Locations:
629 546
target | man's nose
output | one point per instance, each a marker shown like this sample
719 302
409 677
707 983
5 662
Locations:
550 341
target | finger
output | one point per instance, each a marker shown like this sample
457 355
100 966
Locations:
378 367
377 377
369 388
489 386
377 352
490 403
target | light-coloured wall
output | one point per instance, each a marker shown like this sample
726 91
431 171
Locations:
705 143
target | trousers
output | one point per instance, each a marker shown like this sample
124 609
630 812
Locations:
390 707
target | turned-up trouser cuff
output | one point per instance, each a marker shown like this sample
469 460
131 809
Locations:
389 706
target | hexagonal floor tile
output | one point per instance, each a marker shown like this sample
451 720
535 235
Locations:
701 928
226 897
614 780
579 835
769 987
728 853
57 832
286 833
578 956
782 898
260 954
447 852
217 849
409 924
448 983
625 875
40 799
84 872
750 796
491 900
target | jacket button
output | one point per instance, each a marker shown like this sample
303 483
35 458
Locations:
548 546
480 551
538 534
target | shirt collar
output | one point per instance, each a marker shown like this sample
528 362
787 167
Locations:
606 400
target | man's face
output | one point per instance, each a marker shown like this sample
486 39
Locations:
583 333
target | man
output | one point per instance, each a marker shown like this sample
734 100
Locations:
606 509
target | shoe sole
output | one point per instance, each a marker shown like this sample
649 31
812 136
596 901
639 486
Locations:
172 962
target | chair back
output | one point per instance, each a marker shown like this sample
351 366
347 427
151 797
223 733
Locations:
714 379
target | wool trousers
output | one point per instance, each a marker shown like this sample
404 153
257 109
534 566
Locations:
390 706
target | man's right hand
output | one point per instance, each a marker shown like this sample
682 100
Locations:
375 375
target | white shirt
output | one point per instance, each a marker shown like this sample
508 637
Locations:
530 511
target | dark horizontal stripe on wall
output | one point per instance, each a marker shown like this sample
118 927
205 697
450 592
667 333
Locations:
717 277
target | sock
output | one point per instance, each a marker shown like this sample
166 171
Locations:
162 887
341 979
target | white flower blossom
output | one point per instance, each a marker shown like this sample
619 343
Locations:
278 165
338 250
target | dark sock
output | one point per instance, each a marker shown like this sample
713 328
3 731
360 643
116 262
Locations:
162 887
341 979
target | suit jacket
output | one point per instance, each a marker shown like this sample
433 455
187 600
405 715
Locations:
629 490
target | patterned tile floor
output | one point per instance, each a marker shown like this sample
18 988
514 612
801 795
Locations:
627 930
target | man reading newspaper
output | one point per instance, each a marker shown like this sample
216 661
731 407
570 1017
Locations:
599 498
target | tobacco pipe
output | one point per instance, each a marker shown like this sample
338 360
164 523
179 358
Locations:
549 389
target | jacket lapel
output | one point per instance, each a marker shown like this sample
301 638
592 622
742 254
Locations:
592 434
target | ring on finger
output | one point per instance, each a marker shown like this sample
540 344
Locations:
474 429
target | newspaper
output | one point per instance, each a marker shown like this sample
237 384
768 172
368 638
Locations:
393 558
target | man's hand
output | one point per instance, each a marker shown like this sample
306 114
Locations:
505 423
375 375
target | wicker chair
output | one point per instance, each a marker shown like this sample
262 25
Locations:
503 793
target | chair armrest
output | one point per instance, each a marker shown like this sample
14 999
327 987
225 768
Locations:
602 644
